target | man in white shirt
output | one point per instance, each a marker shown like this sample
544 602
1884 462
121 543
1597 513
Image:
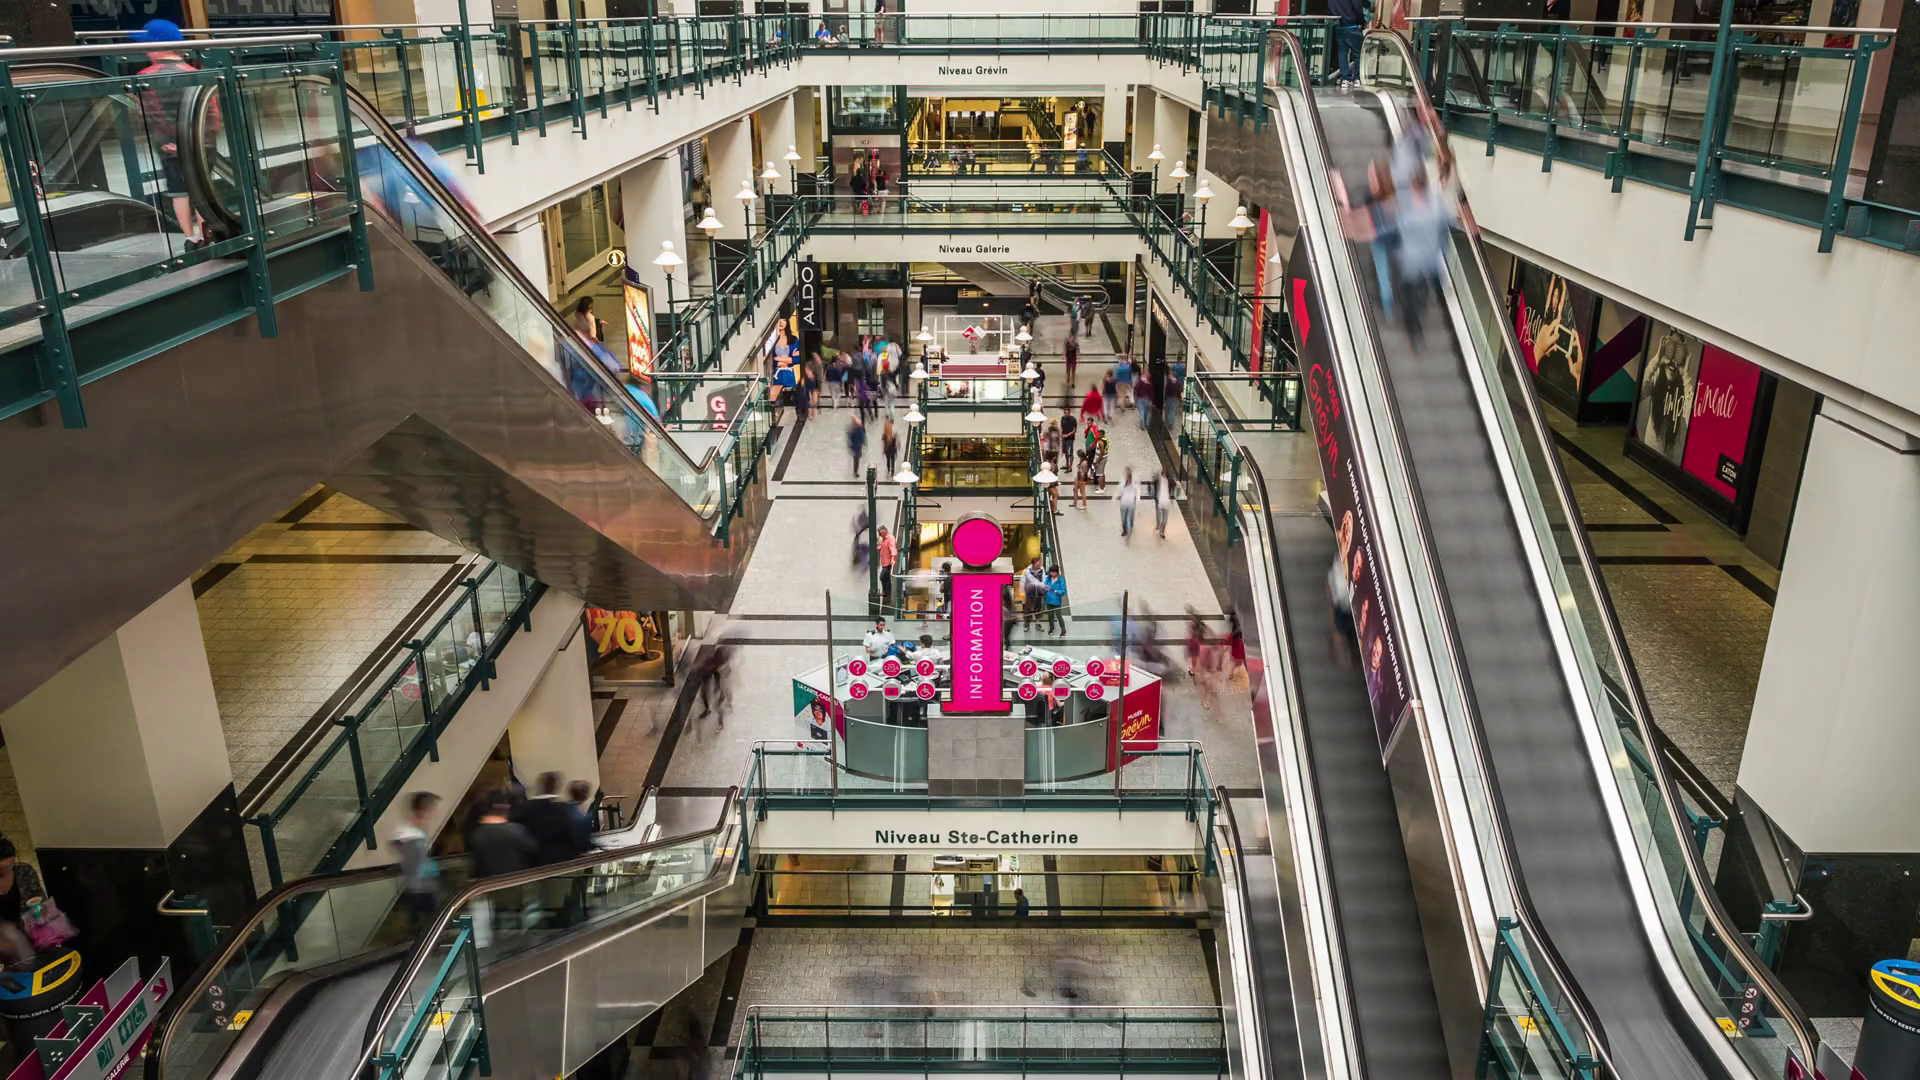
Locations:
878 641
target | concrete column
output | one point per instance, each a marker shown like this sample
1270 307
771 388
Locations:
1832 732
1143 129
122 768
1832 741
1113 118
776 134
729 161
1170 119
651 205
806 132
525 242
553 730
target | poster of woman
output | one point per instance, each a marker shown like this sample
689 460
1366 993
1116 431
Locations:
1666 393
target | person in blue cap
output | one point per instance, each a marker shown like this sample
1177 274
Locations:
161 102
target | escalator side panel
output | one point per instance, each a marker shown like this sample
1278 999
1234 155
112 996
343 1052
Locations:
1545 774
1387 961
1388 941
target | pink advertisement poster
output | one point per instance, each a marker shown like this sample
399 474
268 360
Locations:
1722 417
976 644
1139 722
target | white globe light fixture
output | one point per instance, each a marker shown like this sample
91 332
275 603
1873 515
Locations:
906 476
1023 336
1203 192
1156 157
1179 169
710 224
923 336
1045 477
668 258
914 415
792 155
1241 222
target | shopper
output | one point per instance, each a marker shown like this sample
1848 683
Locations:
1421 232
1056 599
1350 21
1033 591
1162 502
1094 405
1086 302
1101 449
1129 498
1109 395
889 557
713 674
160 101
495 846
1082 477
1143 402
1070 357
558 832
857 439
1123 379
419 874
1021 908
1067 427
21 891
889 445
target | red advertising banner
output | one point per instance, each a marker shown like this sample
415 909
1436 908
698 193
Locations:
1376 628
1140 720
977 626
1723 401
1259 290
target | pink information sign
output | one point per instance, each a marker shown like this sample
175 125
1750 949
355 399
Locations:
977 619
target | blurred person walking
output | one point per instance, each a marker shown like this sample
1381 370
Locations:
419 874
1129 499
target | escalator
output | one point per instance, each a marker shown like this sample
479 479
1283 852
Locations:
1631 969
533 973
450 395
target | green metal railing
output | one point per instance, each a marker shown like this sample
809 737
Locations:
1161 774
459 85
1781 105
1109 1040
75 147
335 794
1525 1019
446 1029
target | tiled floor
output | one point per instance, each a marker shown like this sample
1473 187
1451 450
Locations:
313 596
289 614
1694 603
1023 966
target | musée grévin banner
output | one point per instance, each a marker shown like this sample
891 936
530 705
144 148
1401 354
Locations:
1375 626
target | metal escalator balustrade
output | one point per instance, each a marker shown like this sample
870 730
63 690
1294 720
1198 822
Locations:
1670 811
1343 330
297 935
325 801
405 190
1707 963
431 1019
74 144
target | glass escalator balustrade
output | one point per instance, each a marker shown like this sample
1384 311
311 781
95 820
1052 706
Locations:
1728 979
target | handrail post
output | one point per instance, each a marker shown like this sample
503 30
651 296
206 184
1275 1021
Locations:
1617 162
57 372
352 723
573 67
269 849
539 84
1706 158
350 169
399 38
1835 218
245 148
483 661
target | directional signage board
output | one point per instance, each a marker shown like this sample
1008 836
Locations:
106 1052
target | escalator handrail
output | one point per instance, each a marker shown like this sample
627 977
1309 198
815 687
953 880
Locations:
1523 908
237 937
502 264
1250 473
422 952
1650 737
268 905
1258 1005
